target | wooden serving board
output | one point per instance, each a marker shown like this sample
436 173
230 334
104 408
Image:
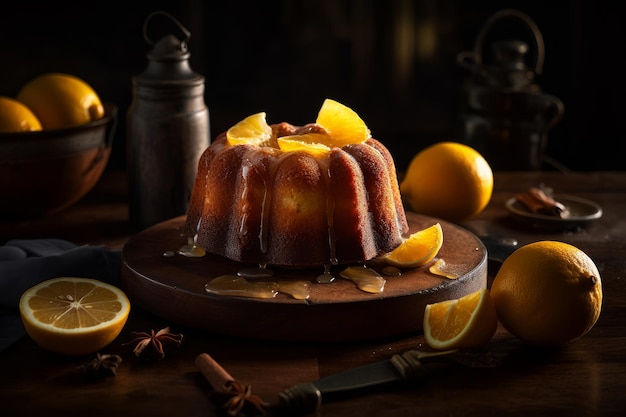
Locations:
173 287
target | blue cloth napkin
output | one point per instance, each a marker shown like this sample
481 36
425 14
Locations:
25 263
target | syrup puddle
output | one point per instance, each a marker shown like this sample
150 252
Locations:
234 285
441 268
243 284
365 278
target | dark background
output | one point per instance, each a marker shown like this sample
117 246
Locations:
394 62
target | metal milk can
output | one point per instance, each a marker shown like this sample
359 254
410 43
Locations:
167 130
506 117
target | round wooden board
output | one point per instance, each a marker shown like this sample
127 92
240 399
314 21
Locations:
172 287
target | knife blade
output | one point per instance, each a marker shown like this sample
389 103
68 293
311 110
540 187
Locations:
307 397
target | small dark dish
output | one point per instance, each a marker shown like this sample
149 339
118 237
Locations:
581 213
47 171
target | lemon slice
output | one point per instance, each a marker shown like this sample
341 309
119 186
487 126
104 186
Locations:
343 124
418 249
253 130
466 322
310 142
74 316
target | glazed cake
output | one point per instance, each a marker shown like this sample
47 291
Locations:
315 204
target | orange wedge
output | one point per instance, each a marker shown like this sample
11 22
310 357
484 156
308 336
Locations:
343 124
418 249
466 322
74 316
310 142
253 130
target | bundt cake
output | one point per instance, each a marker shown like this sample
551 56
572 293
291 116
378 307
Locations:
259 198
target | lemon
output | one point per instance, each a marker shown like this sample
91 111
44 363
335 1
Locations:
418 249
448 180
253 130
61 100
16 117
548 293
74 316
466 322
343 124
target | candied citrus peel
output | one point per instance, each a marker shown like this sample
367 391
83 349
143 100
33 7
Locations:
253 130
342 126
309 142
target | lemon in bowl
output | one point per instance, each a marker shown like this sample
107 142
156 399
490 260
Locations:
47 169
17 117
61 100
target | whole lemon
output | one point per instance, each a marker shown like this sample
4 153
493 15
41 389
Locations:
548 293
448 180
16 117
61 100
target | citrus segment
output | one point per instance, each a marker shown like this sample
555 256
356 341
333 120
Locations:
343 124
548 293
61 100
310 142
418 249
74 316
16 117
253 130
466 322
448 180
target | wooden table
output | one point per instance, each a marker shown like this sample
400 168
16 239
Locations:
586 377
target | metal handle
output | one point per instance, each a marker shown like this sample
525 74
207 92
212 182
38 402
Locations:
473 60
478 46
179 25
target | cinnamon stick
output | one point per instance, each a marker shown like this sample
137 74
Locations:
537 201
218 377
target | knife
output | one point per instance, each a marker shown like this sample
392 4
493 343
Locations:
307 397
498 247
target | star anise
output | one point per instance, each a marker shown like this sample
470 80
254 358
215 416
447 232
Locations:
102 366
157 341
240 396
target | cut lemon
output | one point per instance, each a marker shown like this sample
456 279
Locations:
253 130
418 249
310 142
343 124
74 316
466 322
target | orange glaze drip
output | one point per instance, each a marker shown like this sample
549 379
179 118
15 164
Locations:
252 160
365 278
190 250
260 272
326 277
324 165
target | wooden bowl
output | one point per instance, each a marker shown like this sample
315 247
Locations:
47 171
